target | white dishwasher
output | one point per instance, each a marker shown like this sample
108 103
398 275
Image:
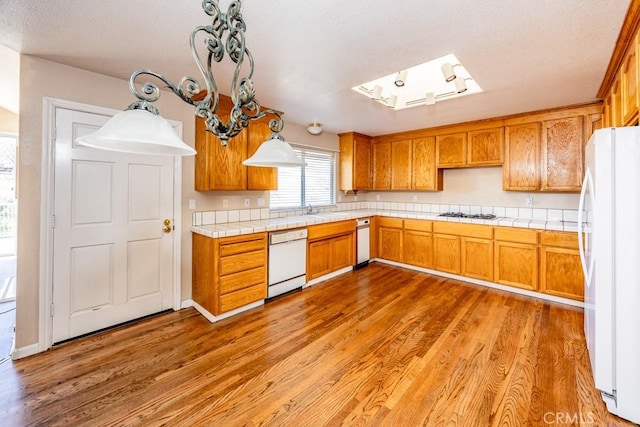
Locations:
287 261
362 242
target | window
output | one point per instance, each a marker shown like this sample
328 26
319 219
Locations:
313 184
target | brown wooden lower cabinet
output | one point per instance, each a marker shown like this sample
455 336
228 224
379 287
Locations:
516 264
560 268
330 247
229 272
418 248
390 238
477 258
446 253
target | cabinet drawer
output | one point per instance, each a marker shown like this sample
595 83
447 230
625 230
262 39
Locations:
518 235
241 262
243 244
417 225
242 297
244 279
461 229
384 221
331 229
559 239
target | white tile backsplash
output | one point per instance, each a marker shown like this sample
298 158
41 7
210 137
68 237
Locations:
474 210
526 213
570 215
234 215
245 215
554 215
539 214
221 217
511 213
499 212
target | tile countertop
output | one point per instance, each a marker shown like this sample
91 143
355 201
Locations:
274 224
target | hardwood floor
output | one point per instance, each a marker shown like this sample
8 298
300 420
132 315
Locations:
378 346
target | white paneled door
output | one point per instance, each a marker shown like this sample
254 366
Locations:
113 259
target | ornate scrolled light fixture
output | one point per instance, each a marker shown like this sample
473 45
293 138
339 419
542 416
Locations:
140 129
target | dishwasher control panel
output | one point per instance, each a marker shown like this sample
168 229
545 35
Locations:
287 236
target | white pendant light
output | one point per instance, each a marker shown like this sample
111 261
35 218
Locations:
274 152
138 132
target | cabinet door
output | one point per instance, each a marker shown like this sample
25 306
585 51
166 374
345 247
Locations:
318 258
362 163
342 252
446 253
260 178
354 162
203 158
630 86
522 158
381 165
401 165
418 248
616 103
561 273
562 153
426 175
477 258
451 150
485 147
390 243
516 264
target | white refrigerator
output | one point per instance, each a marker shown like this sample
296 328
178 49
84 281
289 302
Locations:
609 234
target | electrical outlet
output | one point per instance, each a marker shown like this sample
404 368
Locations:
529 201
247 203
225 203
415 198
377 197
192 204
355 198
260 202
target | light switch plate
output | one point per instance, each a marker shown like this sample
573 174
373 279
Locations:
225 203
192 204
247 203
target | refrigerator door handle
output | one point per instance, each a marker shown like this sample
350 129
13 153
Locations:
583 194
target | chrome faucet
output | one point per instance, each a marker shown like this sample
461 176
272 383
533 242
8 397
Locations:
309 210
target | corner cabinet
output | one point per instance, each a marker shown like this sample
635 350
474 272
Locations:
355 162
219 167
229 272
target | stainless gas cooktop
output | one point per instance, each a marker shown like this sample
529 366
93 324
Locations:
465 215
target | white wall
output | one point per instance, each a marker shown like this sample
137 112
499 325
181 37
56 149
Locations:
479 186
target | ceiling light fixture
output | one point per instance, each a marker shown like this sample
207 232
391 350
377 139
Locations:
447 71
314 128
401 78
127 131
461 86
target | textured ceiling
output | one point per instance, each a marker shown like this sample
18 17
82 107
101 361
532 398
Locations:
526 55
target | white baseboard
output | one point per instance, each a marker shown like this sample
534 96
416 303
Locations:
29 350
211 318
186 304
327 276
533 294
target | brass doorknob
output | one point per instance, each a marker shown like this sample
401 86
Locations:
167 226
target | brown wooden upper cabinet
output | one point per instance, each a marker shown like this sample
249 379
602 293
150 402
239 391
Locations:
544 156
355 162
522 157
485 147
426 175
474 148
629 78
381 151
219 167
562 154
451 150
394 168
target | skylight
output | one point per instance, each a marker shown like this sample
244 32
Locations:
423 84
